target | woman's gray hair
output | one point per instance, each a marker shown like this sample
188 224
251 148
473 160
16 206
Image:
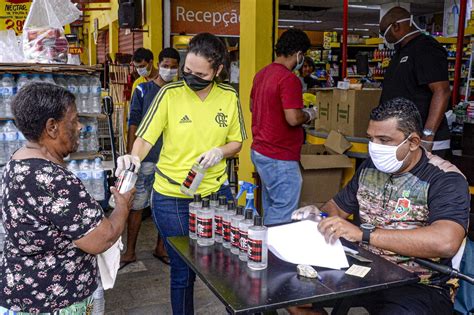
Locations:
37 102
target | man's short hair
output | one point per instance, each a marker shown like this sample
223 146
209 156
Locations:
142 54
292 41
169 53
404 111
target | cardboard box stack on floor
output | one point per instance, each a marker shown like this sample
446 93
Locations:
322 167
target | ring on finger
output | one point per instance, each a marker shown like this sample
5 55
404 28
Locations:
332 229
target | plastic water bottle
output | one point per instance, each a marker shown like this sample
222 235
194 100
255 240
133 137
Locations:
21 140
98 180
257 245
61 81
95 93
3 153
83 100
7 91
48 78
85 175
93 140
22 81
11 137
72 86
193 209
36 78
243 234
218 216
234 230
73 167
205 224
226 224
99 300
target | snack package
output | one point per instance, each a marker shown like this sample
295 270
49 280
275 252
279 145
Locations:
43 34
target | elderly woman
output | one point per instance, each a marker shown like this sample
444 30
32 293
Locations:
54 227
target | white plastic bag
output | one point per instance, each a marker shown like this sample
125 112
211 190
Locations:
10 48
43 33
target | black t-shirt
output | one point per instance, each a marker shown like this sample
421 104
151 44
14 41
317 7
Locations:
420 62
433 190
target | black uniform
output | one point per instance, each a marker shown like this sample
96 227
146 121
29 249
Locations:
420 62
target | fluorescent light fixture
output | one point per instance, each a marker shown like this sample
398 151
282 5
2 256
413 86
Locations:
371 24
365 7
285 26
352 29
299 21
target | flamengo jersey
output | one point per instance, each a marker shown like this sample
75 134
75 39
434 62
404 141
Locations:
191 127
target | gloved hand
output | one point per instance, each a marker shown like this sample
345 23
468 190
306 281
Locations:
305 212
312 113
124 162
210 158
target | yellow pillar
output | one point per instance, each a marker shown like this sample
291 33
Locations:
153 40
113 39
258 24
91 48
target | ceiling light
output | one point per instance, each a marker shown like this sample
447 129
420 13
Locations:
371 24
365 7
299 21
285 26
352 29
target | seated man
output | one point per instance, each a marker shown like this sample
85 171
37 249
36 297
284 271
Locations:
410 203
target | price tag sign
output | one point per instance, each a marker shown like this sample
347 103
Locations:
13 14
76 50
385 63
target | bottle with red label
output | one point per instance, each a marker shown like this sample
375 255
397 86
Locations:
205 224
234 230
221 208
193 180
226 216
257 245
243 233
193 208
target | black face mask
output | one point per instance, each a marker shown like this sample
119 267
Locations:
194 82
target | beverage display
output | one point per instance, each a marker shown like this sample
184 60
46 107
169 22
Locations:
204 224
7 92
257 245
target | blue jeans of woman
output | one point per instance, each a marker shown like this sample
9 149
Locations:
171 216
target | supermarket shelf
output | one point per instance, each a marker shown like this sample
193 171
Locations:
48 68
446 40
6 118
355 76
83 155
92 115
338 45
454 58
378 78
371 60
321 79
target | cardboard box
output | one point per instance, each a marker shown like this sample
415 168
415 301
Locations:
324 101
351 110
322 174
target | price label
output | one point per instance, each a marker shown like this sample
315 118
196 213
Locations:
13 14
75 50
385 63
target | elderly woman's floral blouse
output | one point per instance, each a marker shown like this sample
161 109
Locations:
45 208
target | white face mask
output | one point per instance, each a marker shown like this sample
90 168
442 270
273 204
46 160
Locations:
392 45
168 74
299 64
385 157
143 71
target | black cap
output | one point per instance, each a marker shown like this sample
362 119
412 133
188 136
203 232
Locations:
197 198
205 202
222 200
214 196
257 220
248 214
240 210
231 205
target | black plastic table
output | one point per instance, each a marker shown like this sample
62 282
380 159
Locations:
244 291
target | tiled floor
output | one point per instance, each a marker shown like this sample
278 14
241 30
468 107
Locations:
142 288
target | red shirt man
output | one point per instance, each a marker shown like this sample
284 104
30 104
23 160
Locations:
277 116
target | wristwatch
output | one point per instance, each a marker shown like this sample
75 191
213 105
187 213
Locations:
366 228
428 132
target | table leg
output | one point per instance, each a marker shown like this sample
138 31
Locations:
341 307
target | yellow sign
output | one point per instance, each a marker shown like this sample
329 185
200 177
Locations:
386 63
76 50
13 14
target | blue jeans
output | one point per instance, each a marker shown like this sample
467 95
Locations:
171 217
281 187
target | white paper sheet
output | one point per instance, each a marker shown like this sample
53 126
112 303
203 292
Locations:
302 243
